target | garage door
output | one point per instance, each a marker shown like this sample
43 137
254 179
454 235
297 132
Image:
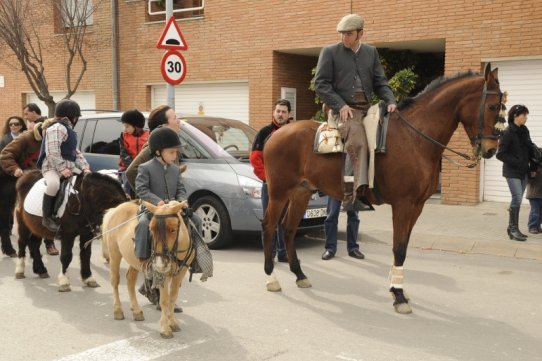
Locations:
86 100
227 100
523 81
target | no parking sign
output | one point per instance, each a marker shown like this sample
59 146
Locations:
173 67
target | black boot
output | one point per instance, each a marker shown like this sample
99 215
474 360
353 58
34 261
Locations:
7 248
513 230
47 209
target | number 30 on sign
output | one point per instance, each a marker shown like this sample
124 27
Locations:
173 67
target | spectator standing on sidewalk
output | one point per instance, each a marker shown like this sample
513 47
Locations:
534 195
514 151
281 117
331 230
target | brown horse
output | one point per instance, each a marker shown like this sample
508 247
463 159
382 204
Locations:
405 176
172 253
84 213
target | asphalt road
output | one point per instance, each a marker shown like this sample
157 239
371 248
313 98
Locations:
465 307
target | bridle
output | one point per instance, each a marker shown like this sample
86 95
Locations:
477 140
170 254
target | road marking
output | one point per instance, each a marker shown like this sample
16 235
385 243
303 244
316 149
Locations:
142 348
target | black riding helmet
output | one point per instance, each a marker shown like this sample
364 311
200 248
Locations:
163 137
68 108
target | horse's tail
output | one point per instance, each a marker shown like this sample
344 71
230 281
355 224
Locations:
25 183
105 226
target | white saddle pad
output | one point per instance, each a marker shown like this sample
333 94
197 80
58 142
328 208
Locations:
370 123
34 198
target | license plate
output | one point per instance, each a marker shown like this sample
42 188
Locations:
315 213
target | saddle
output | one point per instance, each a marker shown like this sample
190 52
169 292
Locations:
34 198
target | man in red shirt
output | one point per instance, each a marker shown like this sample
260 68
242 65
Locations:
281 116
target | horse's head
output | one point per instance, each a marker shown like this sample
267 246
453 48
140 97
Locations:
169 234
482 114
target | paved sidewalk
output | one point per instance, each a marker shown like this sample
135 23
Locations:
479 229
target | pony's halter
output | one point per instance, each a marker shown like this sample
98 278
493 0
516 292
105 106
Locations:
167 254
499 108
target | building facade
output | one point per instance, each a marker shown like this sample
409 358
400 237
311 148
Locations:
242 55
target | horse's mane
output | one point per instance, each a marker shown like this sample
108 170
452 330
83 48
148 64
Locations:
98 179
434 85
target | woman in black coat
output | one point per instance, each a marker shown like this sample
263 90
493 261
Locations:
515 147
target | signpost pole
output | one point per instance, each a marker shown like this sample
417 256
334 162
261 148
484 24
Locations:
170 88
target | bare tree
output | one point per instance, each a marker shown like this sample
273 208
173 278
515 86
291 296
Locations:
19 31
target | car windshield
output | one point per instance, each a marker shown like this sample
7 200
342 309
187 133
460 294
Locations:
234 137
206 141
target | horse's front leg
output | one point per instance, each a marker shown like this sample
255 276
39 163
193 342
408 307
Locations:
404 219
167 308
84 255
66 256
174 293
299 199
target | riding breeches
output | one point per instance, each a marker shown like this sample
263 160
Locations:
52 182
355 144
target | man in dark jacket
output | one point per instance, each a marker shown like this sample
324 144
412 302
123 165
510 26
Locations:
346 76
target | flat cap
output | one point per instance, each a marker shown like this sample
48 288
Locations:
349 23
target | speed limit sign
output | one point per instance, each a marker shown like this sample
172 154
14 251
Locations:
173 67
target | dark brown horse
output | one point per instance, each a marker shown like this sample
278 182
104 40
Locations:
84 213
7 195
405 176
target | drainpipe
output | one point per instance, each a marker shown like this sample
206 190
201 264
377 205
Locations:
114 55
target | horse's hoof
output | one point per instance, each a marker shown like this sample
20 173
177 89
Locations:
92 284
138 316
403 308
64 288
19 276
166 334
118 315
305 283
175 328
44 275
273 286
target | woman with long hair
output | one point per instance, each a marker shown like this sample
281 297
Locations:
13 127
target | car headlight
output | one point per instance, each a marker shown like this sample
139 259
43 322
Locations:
251 187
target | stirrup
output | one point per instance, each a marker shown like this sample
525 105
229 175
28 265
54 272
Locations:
50 224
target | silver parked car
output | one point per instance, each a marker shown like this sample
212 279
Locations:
222 188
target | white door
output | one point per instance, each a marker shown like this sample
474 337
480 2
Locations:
85 99
523 81
226 100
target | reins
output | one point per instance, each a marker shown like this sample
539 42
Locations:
437 143
112 229
477 140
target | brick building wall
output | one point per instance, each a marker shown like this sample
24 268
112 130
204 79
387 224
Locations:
245 40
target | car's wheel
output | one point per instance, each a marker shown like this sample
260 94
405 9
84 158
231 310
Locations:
216 223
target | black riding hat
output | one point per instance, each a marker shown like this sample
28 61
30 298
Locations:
163 137
133 117
67 108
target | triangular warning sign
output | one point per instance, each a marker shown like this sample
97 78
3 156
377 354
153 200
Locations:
171 37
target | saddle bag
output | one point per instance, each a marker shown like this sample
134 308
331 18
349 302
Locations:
328 139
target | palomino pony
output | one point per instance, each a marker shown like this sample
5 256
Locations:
172 253
405 176
84 212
